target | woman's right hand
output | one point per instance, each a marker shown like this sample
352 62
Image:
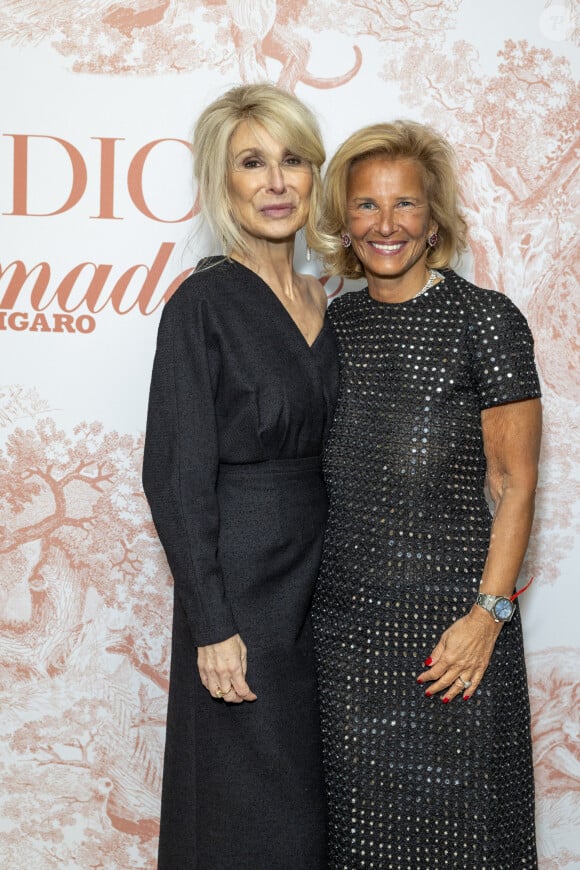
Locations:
222 668
463 653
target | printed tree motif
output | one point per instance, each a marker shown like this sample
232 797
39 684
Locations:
510 180
103 748
555 697
74 740
557 524
89 640
103 37
393 21
155 36
16 404
488 114
86 735
79 501
58 817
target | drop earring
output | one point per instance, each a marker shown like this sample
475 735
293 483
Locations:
345 240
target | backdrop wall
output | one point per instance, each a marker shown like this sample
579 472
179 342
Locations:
99 225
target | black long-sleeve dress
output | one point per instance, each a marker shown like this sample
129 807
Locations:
414 783
239 409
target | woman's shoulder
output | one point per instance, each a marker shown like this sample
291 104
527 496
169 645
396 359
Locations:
205 286
490 316
478 300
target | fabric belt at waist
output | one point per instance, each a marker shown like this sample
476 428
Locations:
272 466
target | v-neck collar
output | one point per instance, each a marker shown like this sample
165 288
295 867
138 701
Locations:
282 307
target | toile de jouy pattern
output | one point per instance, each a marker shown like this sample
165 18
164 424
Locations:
85 592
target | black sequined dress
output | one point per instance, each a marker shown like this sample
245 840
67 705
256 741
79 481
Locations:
414 783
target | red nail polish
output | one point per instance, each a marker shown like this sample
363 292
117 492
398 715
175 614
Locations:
466 697
428 662
446 700
427 694
418 679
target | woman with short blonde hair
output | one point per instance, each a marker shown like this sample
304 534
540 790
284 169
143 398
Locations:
398 140
422 679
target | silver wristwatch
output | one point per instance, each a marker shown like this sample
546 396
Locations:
501 608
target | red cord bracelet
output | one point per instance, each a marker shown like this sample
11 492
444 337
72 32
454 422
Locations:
523 589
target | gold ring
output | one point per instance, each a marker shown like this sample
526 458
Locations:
465 683
220 694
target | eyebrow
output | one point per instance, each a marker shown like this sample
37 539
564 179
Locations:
258 152
370 196
248 151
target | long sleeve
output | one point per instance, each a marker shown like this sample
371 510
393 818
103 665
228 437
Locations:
181 461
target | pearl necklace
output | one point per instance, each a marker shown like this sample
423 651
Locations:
433 277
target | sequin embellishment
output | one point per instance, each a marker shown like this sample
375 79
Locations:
414 783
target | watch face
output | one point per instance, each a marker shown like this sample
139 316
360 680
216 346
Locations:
503 609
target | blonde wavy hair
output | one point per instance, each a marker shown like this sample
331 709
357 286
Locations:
399 140
286 119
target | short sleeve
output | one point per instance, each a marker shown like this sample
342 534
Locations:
502 351
181 461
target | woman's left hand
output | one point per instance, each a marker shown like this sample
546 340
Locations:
462 654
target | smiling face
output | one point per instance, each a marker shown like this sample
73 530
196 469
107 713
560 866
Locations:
389 221
269 187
